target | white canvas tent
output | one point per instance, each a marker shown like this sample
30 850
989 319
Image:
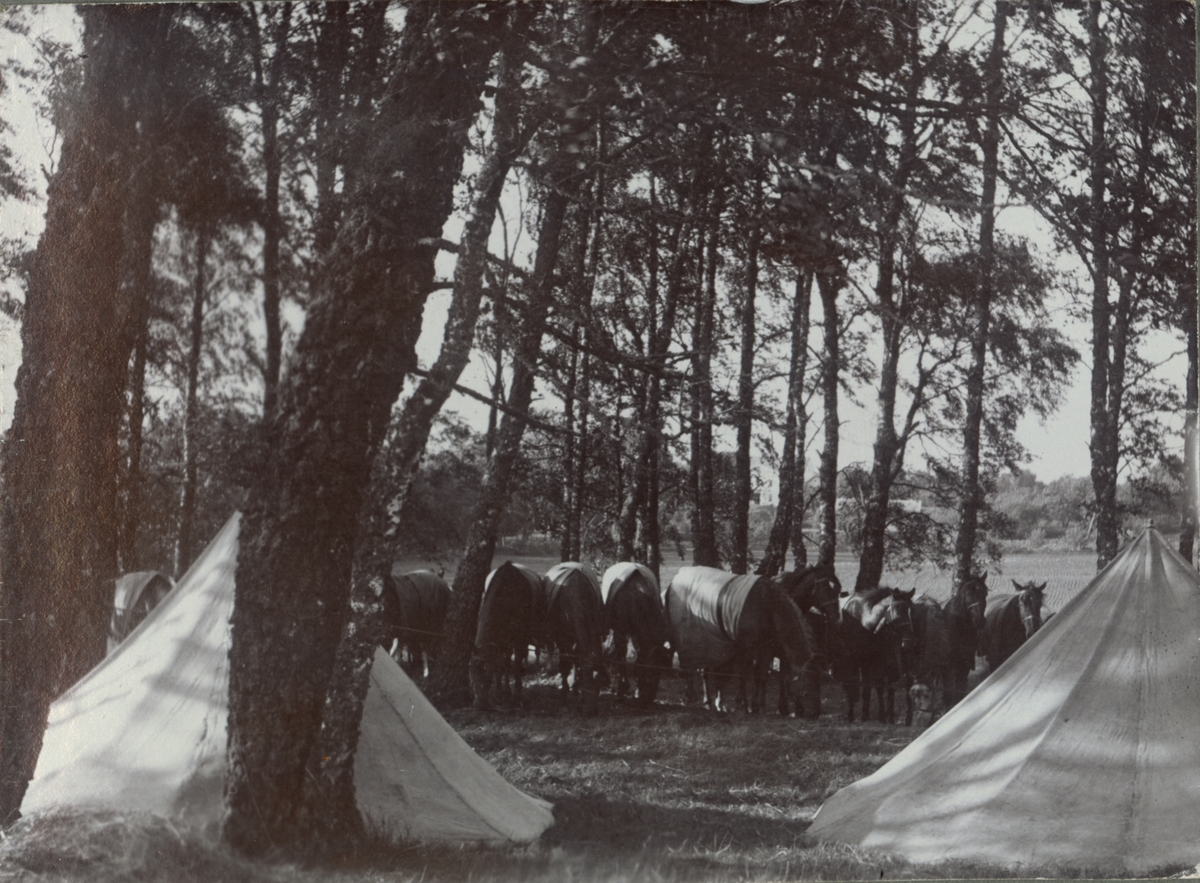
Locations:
1080 751
146 730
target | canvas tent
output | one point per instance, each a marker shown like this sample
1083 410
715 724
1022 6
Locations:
1080 751
146 730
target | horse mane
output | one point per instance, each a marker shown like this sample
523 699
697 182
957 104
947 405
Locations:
791 630
875 595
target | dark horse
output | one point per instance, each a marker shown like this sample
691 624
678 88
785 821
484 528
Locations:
635 612
574 621
816 592
731 625
1011 621
414 609
876 633
926 662
512 602
965 622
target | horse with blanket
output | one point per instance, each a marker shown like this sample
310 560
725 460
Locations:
562 610
635 611
414 610
876 635
726 625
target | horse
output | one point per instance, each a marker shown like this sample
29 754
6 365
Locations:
729 625
511 607
635 611
414 609
927 662
876 633
965 619
816 592
1011 621
574 621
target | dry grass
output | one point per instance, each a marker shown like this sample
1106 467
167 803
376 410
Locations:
671 794
667 794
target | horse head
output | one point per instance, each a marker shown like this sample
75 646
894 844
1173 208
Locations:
899 617
814 588
1030 596
973 594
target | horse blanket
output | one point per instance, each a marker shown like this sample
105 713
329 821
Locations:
556 577
704 606
524 608
425 605
619 575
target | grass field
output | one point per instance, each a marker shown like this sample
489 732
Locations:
671 793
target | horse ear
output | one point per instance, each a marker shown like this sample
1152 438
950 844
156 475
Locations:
1018 585
1040 589
910 593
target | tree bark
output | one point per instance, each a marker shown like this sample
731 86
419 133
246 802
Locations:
268 91
744 414
299 532
58 531
650 444
1103 470
1187 531
449 681
187 493
830 382
704 527
972 501
791 466
888 445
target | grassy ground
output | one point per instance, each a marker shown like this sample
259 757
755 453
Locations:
671 793
666 794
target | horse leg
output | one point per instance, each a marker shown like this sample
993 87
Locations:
518 674
621 662
585 680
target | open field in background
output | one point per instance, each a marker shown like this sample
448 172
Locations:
1065 573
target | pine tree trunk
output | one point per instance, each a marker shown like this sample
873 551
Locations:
830 381
300 529
888 446
141 219
972 501
1104 477
268 94
449 680
791 467
1187 531
187 493
131 479
744 414
58 530
331 61
568 457
648 539
704 527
